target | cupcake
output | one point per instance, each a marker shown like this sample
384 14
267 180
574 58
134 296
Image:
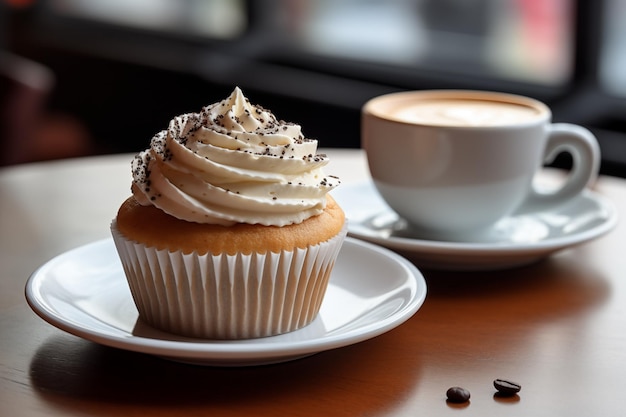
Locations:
230 232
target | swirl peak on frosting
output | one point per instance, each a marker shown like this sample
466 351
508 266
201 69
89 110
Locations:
233 162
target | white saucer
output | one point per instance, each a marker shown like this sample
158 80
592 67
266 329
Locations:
84 292
518 240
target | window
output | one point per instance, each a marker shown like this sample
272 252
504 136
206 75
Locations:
330 56
223 19
613 52
519 40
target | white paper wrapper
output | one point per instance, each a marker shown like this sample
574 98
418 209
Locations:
227 296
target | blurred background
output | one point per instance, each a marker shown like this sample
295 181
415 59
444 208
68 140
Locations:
83 77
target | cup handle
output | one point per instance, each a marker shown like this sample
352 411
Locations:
583 146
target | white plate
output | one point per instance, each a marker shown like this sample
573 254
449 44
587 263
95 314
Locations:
517 240
84 292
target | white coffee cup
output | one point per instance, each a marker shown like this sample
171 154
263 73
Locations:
454 163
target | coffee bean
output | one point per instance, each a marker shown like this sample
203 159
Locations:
506 388
457 395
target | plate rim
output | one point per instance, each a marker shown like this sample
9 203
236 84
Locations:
228 350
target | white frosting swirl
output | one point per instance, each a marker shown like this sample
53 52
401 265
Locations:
233 162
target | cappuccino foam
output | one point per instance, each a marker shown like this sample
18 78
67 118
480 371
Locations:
465 112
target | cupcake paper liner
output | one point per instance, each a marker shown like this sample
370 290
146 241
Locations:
227 296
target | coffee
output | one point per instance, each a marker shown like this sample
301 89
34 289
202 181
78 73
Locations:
457 395
452 164
506 388
465 113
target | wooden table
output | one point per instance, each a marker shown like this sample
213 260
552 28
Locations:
557 327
